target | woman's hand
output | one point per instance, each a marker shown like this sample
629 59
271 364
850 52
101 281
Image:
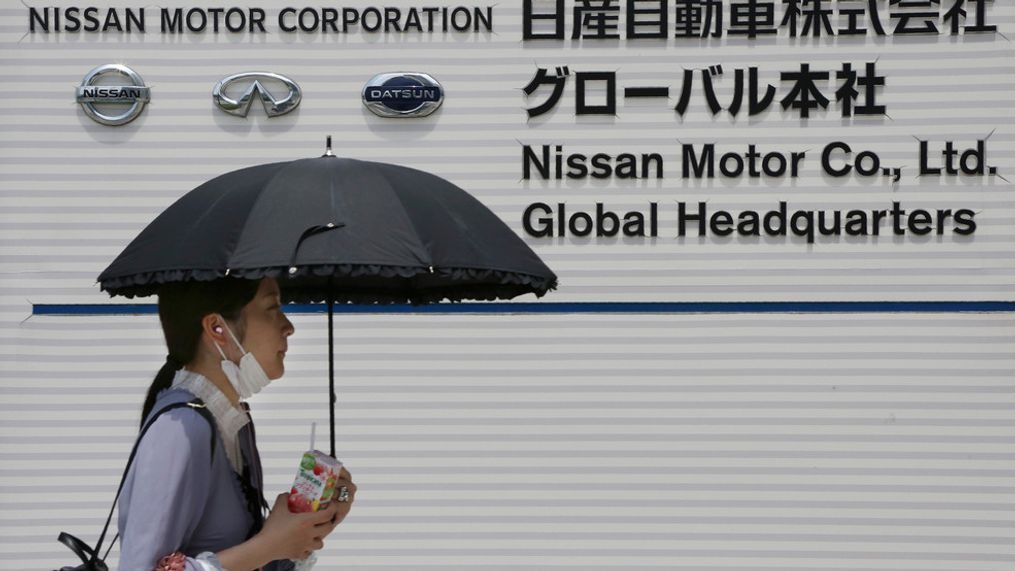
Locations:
295 535
344 480
342 508
288 535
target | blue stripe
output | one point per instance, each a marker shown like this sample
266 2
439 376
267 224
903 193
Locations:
584 307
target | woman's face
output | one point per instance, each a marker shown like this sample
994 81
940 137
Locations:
267 329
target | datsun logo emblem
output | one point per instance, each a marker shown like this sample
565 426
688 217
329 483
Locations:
403 94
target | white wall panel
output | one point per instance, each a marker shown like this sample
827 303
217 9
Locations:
787 441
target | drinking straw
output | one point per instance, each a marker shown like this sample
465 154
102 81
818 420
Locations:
313 431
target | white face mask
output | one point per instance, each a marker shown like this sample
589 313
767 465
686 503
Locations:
248 378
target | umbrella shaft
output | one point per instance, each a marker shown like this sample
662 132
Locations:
331 364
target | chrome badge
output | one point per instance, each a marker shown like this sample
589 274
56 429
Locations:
273 106
92 93
403 95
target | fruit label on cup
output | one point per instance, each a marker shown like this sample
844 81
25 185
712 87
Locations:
315 482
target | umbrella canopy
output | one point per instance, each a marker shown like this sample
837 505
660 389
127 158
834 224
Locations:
382 233
333 230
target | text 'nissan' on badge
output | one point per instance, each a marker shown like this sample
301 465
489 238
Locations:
92 94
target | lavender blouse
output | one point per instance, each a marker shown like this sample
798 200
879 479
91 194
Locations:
177 497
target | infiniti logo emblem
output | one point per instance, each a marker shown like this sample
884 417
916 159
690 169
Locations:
273 106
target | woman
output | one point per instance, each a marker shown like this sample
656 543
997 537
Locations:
188 503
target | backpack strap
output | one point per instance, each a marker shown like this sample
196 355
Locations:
196 404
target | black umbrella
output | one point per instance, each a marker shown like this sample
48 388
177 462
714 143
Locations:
333 230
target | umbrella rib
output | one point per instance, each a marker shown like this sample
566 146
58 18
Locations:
261 192
470 267
415 231
390 189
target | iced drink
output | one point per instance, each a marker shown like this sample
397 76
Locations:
315 482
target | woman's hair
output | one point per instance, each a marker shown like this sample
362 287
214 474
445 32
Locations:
182 305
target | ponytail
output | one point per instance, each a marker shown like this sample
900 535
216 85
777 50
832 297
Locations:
162 381
182 306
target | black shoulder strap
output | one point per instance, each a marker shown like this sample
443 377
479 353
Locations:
196 404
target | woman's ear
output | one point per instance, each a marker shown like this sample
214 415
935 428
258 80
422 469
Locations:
212 322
